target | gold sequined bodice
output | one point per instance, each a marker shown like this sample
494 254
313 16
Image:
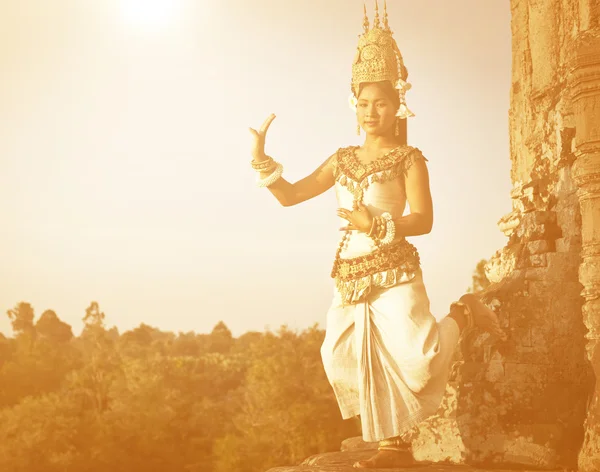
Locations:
380 186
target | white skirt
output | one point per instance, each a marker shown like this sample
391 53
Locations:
388 359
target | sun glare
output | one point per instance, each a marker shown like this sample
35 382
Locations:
149 15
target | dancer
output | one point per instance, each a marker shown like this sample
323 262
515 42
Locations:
384 353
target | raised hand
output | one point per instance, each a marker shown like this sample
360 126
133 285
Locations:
258 145
359 219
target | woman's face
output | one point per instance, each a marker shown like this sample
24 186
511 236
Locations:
375 111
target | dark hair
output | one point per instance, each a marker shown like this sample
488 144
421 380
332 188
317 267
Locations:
387 88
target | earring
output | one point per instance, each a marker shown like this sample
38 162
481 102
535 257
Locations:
398 127
358 129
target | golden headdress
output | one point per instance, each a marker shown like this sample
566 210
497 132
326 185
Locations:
378 58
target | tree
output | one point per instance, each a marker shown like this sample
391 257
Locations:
220 339
40 357
93 316
5 347
41 434
21 319
53 329
102 362
480 280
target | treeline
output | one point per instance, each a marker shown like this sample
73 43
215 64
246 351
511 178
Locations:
148 400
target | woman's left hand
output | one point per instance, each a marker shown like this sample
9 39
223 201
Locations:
358 219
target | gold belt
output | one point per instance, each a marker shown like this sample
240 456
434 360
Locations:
393 256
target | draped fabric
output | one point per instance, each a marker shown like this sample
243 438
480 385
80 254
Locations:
388 359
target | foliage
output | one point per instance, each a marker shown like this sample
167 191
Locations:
154 401
480 280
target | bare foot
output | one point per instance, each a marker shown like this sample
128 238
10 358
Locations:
483 317
387 460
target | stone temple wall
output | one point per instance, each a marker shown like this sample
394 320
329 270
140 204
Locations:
525 401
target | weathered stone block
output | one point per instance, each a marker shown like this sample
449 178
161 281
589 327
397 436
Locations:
536 273
495 372
539 218
521 335
523 450
525 373
542 335
538 260
568 243
540 246
563 268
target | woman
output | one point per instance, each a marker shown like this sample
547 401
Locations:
384 354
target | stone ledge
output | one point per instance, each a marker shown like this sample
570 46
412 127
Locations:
342 462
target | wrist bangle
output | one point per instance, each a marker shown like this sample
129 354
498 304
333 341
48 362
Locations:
382 228
262 165
268 169
271 179
373 227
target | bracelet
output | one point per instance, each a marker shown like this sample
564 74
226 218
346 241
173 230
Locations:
390 232
262 165
382 228
268 169
373 227
376 229
271 179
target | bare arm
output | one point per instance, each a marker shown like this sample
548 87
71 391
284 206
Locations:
418 195
288 194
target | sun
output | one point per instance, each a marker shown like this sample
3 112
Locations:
149 15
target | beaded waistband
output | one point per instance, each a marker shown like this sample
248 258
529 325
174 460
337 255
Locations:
384 267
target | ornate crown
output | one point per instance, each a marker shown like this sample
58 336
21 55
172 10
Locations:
378 58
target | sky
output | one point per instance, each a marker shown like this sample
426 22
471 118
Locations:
125 171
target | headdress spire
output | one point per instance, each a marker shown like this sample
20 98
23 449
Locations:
376 23
366 19
386 25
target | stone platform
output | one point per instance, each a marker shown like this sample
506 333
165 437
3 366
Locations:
342 462
353 449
